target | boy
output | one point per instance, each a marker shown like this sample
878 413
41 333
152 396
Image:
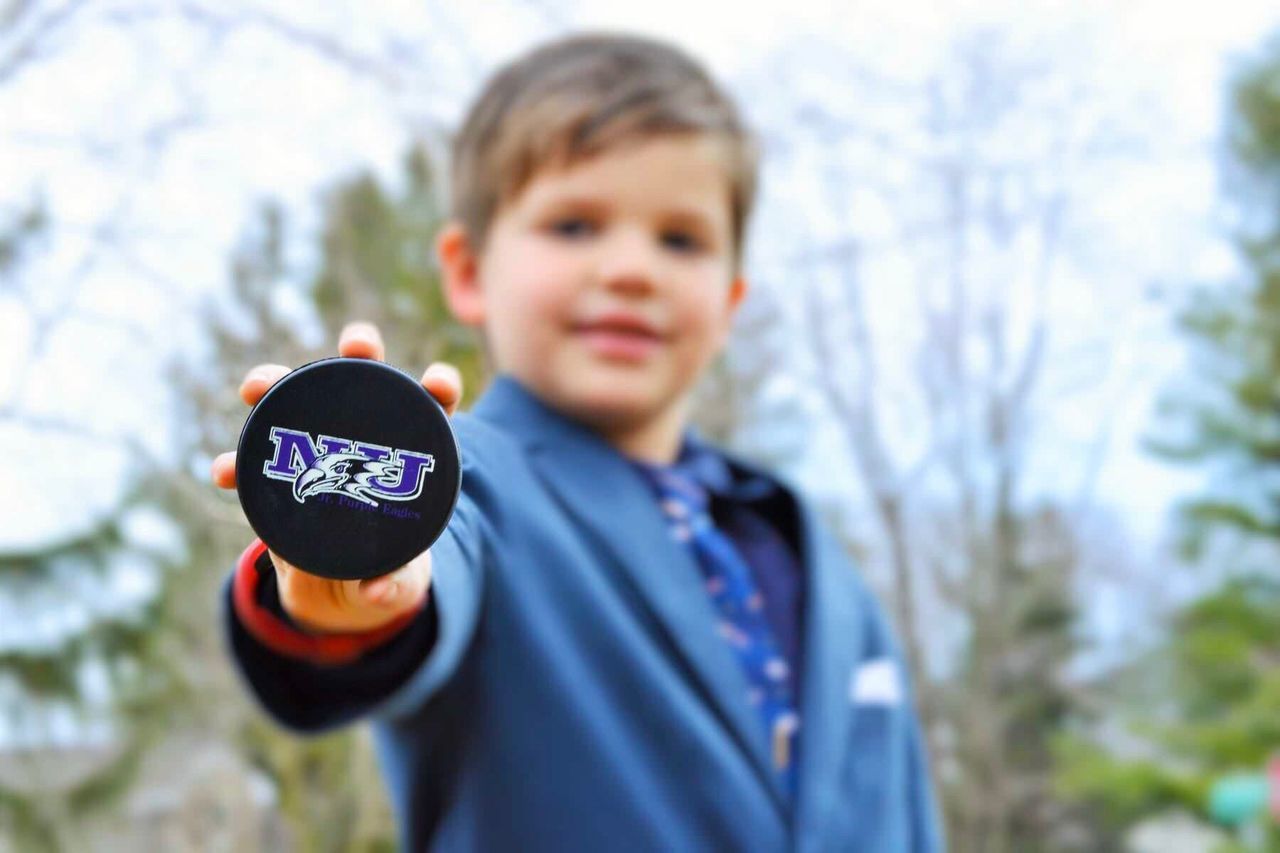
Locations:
624 640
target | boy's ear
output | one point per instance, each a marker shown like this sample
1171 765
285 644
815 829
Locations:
737 292
460 270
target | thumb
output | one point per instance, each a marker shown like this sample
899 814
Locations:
400 589
382 591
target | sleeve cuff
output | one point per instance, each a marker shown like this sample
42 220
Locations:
281 636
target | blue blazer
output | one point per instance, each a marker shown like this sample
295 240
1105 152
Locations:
573 694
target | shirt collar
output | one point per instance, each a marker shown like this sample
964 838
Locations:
713 471
507 401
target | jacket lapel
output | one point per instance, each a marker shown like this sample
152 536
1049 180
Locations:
616 507
833 637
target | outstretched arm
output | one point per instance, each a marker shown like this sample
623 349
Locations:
319 652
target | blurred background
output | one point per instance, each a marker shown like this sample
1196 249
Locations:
1015 323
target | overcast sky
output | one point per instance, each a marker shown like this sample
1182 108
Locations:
149 142
149 135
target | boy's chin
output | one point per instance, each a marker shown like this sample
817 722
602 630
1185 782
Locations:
615 405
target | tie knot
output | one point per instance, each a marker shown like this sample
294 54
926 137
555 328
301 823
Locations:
683 498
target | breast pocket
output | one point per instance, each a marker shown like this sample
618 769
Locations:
874 801
876 749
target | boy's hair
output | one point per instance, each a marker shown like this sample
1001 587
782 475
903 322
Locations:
578 96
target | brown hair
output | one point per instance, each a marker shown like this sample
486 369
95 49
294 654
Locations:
577 96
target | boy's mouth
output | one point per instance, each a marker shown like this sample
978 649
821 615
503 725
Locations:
620 322
619 336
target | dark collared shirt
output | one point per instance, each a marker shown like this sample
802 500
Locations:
752 512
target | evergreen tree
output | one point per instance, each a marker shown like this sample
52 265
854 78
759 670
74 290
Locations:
1196 710
379 264
1204 704
1229 420
376 263
85 678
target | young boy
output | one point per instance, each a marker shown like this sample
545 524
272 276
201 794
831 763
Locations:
625 640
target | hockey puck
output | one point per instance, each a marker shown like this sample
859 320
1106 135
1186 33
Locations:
348 468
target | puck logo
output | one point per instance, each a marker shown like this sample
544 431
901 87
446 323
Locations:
340 466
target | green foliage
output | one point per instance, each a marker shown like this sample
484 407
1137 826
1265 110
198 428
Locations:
1010 696
1228 419
376 263
1221 718
1227 647
1212 711
379 264
127 643
1121 792
17 235
51 672
326 785
22 823
1254 124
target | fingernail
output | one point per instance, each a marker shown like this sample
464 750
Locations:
375 590
443 371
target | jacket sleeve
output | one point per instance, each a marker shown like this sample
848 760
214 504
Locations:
312 683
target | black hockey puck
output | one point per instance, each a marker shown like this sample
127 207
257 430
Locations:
348 468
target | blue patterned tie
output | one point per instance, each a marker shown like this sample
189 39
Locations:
740 606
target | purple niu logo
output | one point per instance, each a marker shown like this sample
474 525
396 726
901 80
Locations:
340 466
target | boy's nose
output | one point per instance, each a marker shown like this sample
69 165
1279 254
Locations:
629 263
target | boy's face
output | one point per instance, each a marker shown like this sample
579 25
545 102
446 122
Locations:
607 288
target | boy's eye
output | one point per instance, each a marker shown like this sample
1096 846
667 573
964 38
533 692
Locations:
681 241
577 227
571 227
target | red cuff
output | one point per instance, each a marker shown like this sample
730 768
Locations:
279 636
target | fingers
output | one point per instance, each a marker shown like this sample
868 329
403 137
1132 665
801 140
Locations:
223 470
358 340
256 383
381 591
444 382
361 340
259 380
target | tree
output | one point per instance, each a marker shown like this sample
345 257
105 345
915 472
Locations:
1185 715
376 263
164 656
927 277
1203 703
1228 420
84 657
162 652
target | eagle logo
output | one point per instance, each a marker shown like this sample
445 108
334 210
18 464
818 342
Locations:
357 470
350 474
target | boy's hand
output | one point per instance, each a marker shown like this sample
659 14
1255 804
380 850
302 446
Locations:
345 606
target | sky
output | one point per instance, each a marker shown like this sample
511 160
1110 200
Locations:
151 136
150 140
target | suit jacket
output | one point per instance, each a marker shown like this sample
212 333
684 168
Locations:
571 692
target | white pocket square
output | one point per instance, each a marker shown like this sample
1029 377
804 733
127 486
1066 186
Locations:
876 682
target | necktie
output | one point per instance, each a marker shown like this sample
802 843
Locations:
740 608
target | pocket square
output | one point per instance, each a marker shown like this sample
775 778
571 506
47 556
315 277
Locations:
876 682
